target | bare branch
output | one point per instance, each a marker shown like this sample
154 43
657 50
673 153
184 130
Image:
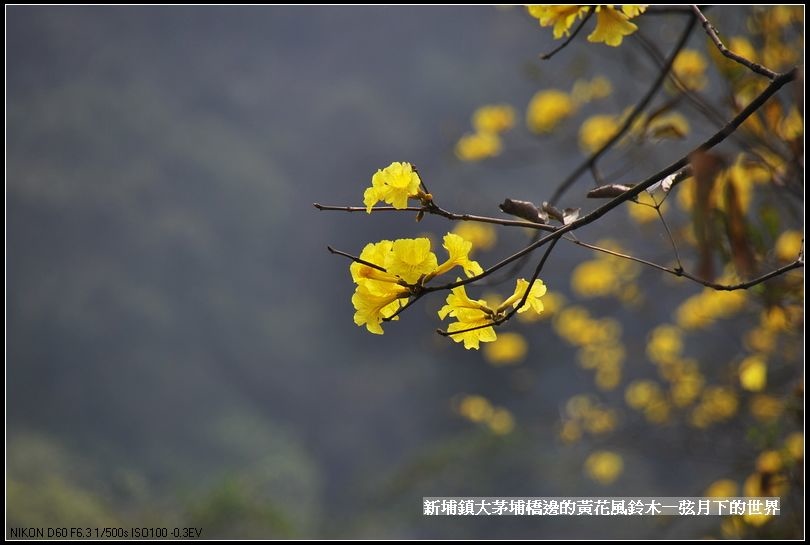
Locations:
568 40
712 33
681 273
356 259
645 100
438 211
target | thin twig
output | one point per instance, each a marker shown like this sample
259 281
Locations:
712 33
681 273
568 40
669 233
584 166
356 259
438 211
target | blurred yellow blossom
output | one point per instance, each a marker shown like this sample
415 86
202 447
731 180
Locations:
723 488
585 91
769 461
594 278
509 348
792 126
753 373
641 393
501 421
570 431
667 126
481 235
690 68
547 109
665 343
562 17
596 131
552 303
475 408
794 445
604 466
788 245
765 408
477 146
760 339
493 118
394 184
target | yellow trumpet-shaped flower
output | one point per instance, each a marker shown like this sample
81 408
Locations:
533 300
562 18
394 184
468 320
373 307
376 254
459 256
612 26
410 259
458 301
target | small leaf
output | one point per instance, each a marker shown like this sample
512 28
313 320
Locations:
608 191
524 210
553 212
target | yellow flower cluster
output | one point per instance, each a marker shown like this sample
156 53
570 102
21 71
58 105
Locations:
389 270
665 349
474 319
394 184
584 414
717 404
488 121
648 397
612 24
480 410
549 107
599 343
702 310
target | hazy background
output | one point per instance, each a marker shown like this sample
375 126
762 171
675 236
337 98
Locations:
181 350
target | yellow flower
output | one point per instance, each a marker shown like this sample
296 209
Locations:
475 408
562 17
769 461
766 408
665 344
794 445
459 302
375 253
596 131
469 319
788 245
481 235
604 466
410 259
372 308
547 109
458 250
532 300
470 314
611 26
594 278
690 68
510 348
501 422
477 146
494 118
641 393
394 184
672 125
724 488
634 10
753 373
585 91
